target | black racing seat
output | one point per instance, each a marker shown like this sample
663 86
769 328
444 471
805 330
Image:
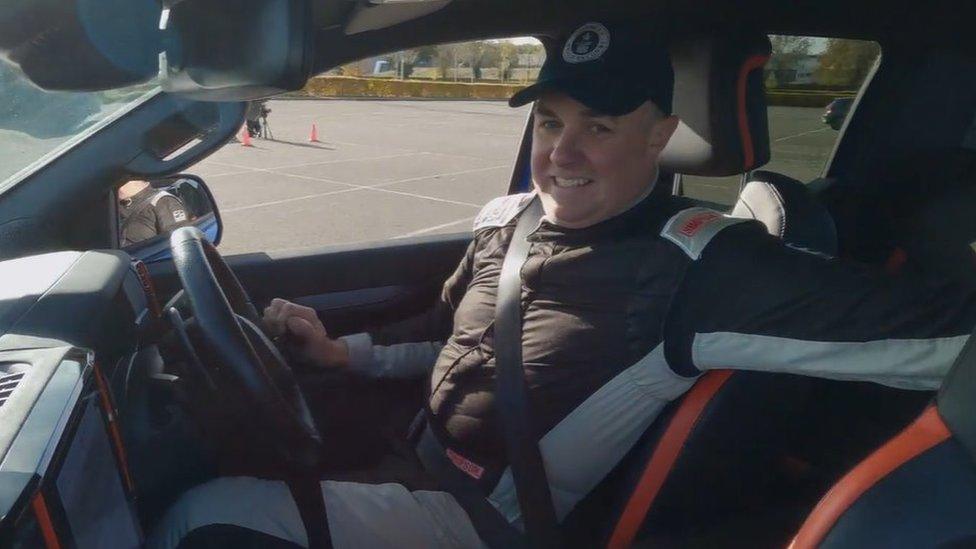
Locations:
930 201
739 460
676 477
916 491
789 210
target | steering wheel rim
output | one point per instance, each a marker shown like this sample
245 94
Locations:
217 297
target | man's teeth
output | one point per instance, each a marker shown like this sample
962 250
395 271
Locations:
571 181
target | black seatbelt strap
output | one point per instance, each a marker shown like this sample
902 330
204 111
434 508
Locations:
511 398
307 493
491 526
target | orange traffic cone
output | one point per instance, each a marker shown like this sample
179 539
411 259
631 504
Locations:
314 136
245 137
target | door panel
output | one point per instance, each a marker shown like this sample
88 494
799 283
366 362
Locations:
352 286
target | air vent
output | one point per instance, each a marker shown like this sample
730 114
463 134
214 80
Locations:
9 382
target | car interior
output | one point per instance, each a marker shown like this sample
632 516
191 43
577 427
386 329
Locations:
126 378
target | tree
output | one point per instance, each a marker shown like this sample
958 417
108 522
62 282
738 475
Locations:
846 62
473 53
450 56
787 51
405 61
507 57
427 56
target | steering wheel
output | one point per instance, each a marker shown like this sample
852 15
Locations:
247 363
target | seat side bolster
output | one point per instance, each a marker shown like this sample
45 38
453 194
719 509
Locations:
924 433
665 455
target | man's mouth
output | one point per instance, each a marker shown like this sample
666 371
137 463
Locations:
571 182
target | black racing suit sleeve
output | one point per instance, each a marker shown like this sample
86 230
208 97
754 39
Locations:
751 302
170 214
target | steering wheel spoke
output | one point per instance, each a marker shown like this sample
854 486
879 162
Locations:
252 367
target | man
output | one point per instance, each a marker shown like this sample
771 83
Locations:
256 111
145 212
628 294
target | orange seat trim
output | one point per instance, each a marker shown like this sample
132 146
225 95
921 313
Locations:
927 431
44 522
742 113
665 455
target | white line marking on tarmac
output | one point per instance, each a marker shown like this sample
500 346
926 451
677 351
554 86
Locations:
338 161
436 227
225 174
435 176
286 200
434 198
306 164
354 187
799 134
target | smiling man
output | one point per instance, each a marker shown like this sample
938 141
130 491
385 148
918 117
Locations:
627 295
601 118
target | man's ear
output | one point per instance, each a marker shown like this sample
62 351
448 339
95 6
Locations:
663 130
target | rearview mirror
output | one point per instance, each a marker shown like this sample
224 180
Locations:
150 210
81 45
210 50
235 50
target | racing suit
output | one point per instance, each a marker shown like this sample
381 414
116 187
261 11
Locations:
620 318
148 213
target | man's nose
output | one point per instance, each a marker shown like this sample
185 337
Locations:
566 150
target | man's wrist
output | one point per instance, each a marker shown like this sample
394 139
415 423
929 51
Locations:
337 355
359 349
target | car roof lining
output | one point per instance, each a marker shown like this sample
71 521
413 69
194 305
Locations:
464 20
370 16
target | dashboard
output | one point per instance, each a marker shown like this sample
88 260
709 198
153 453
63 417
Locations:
69 324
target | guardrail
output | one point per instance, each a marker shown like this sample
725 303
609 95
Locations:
385 88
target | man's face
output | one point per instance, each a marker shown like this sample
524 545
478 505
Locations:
588 166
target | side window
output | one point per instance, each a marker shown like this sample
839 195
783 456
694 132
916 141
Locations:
405 144
810 87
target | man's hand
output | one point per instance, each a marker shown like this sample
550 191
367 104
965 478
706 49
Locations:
305 334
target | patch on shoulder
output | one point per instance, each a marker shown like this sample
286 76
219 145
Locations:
501 210
694 228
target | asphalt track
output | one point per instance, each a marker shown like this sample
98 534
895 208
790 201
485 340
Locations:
391 169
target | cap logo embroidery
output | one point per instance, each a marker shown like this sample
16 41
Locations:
587 43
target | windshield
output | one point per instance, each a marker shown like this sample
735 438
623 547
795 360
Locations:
35 123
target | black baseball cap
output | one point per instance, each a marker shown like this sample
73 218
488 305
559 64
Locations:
612 69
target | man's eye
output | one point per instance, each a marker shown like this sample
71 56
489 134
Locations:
599 128
548 124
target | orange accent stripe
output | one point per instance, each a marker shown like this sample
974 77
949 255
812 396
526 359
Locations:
748 149
113 427
665 455
44 521
927 431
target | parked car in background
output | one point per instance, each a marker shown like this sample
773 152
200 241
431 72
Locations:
836 112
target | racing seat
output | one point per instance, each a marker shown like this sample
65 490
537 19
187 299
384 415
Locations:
789 210
919 489
930 210
676 477
724 131
739 460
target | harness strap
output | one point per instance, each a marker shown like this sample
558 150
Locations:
491 526
307 493
512 401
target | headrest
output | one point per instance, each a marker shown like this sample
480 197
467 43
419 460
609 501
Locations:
789 210
719 96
